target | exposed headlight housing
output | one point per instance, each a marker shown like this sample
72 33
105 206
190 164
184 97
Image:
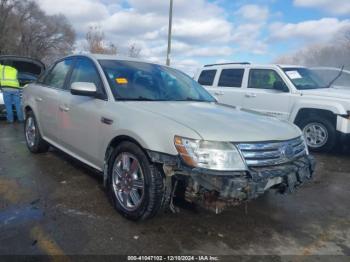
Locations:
221 156
305 144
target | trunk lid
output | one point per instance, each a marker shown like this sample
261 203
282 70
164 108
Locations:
29 69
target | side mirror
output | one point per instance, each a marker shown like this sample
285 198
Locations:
280 86
83 89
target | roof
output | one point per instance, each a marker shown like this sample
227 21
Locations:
247 65
290 66
113 57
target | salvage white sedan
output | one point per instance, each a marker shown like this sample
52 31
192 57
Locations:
153 132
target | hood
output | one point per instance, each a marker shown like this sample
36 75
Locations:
29 69
216 122
340 93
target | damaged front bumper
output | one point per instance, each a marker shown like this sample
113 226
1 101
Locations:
218 190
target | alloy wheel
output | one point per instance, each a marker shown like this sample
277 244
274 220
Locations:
316 135
128 181
30 131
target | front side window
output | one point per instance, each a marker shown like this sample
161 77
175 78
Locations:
304 78
56 77
231 77
265 79
85 71
206 78
149 82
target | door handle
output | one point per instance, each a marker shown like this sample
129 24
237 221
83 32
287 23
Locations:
250 95
219 93
38 99
106 120
64 108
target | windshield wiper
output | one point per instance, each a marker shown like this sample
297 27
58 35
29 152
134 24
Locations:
140 98
336 78
194 100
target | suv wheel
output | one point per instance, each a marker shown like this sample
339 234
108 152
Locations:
135 186
35 143
320 134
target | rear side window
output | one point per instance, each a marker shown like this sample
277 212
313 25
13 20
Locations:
206 78
56 77
231 77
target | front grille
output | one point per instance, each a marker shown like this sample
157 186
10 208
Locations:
272 153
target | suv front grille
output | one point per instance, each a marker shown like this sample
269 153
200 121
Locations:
272 153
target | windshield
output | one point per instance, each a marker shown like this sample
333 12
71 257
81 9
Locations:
138 81
328 74
304 78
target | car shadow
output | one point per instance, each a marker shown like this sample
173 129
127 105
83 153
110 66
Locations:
78 165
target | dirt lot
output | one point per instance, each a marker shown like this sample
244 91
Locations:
52 204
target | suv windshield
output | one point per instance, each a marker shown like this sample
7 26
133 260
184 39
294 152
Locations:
138 81
304 78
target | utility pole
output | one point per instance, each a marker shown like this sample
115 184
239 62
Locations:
169 32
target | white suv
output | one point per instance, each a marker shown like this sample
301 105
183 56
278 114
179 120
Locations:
290 93
154 132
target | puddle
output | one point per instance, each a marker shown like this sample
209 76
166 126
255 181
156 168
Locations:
19 215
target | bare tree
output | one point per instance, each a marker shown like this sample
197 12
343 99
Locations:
28 31
134 51
96 43
335 53
7 23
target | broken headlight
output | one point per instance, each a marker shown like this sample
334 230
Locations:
305 144
222 156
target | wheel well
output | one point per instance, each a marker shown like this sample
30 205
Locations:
317 113
112 145
118 140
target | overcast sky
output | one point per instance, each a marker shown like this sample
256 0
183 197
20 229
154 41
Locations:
208 31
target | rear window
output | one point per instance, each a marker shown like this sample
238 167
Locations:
231 78
206 78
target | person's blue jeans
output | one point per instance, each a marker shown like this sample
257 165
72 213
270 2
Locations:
13 98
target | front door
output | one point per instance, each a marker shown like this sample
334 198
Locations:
80 116
263 96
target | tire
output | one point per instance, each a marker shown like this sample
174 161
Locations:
35 142
135 188
326 133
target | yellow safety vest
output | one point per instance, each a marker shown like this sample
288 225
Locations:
8 77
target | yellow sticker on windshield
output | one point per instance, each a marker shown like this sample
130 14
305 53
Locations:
121 81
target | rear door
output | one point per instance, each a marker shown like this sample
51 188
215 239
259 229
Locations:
81 116
229 89
48 99
207 79
262 96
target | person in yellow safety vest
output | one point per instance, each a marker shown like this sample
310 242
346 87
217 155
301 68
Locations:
11 92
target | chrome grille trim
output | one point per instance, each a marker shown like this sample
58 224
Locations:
272 153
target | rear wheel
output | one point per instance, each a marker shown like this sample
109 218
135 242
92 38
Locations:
136 187
35 143
320 133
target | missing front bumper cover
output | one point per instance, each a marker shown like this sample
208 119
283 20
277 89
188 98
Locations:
216 192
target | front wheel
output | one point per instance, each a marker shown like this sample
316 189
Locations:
320 134
135 186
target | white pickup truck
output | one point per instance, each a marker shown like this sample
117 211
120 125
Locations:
292 93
